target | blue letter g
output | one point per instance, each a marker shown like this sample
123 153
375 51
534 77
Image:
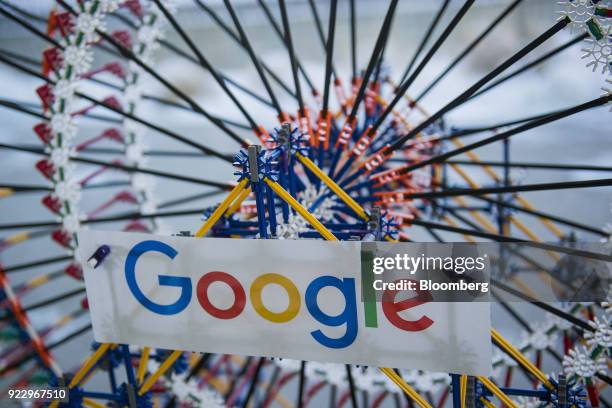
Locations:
164 280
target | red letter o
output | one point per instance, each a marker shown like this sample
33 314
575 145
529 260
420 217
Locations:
239 295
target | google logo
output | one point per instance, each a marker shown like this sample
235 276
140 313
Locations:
346 287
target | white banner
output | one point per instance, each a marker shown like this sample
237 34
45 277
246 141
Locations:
275 298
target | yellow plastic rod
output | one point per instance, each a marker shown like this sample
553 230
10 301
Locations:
5 192
487 403
521 359
489 227
221 209
523 201
405 387
89 363
523 286
160 371
37 281
552 227
64 320
316 224
88 402
395 113
411 101
464 176
17 238
463 389
452 223
238 202
488 169
142 364
497 392
477 216
348 200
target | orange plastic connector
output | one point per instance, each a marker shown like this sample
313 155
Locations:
305 125
323 127
355 83
389 176
284 118
404 219
374 161
388 198
263 135
364 141
346 132
371 98
317 97
51 22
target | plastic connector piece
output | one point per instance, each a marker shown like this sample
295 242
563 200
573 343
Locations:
98 257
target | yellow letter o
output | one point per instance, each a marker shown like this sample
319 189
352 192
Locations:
294 297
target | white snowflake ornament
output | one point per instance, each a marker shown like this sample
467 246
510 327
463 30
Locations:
79 58
68 191
599 53
579 363
71 223
602 334
542 336
87 24
63 123
578 11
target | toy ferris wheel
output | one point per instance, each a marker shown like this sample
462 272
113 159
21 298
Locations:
354 156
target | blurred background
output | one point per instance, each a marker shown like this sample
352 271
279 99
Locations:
563 81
